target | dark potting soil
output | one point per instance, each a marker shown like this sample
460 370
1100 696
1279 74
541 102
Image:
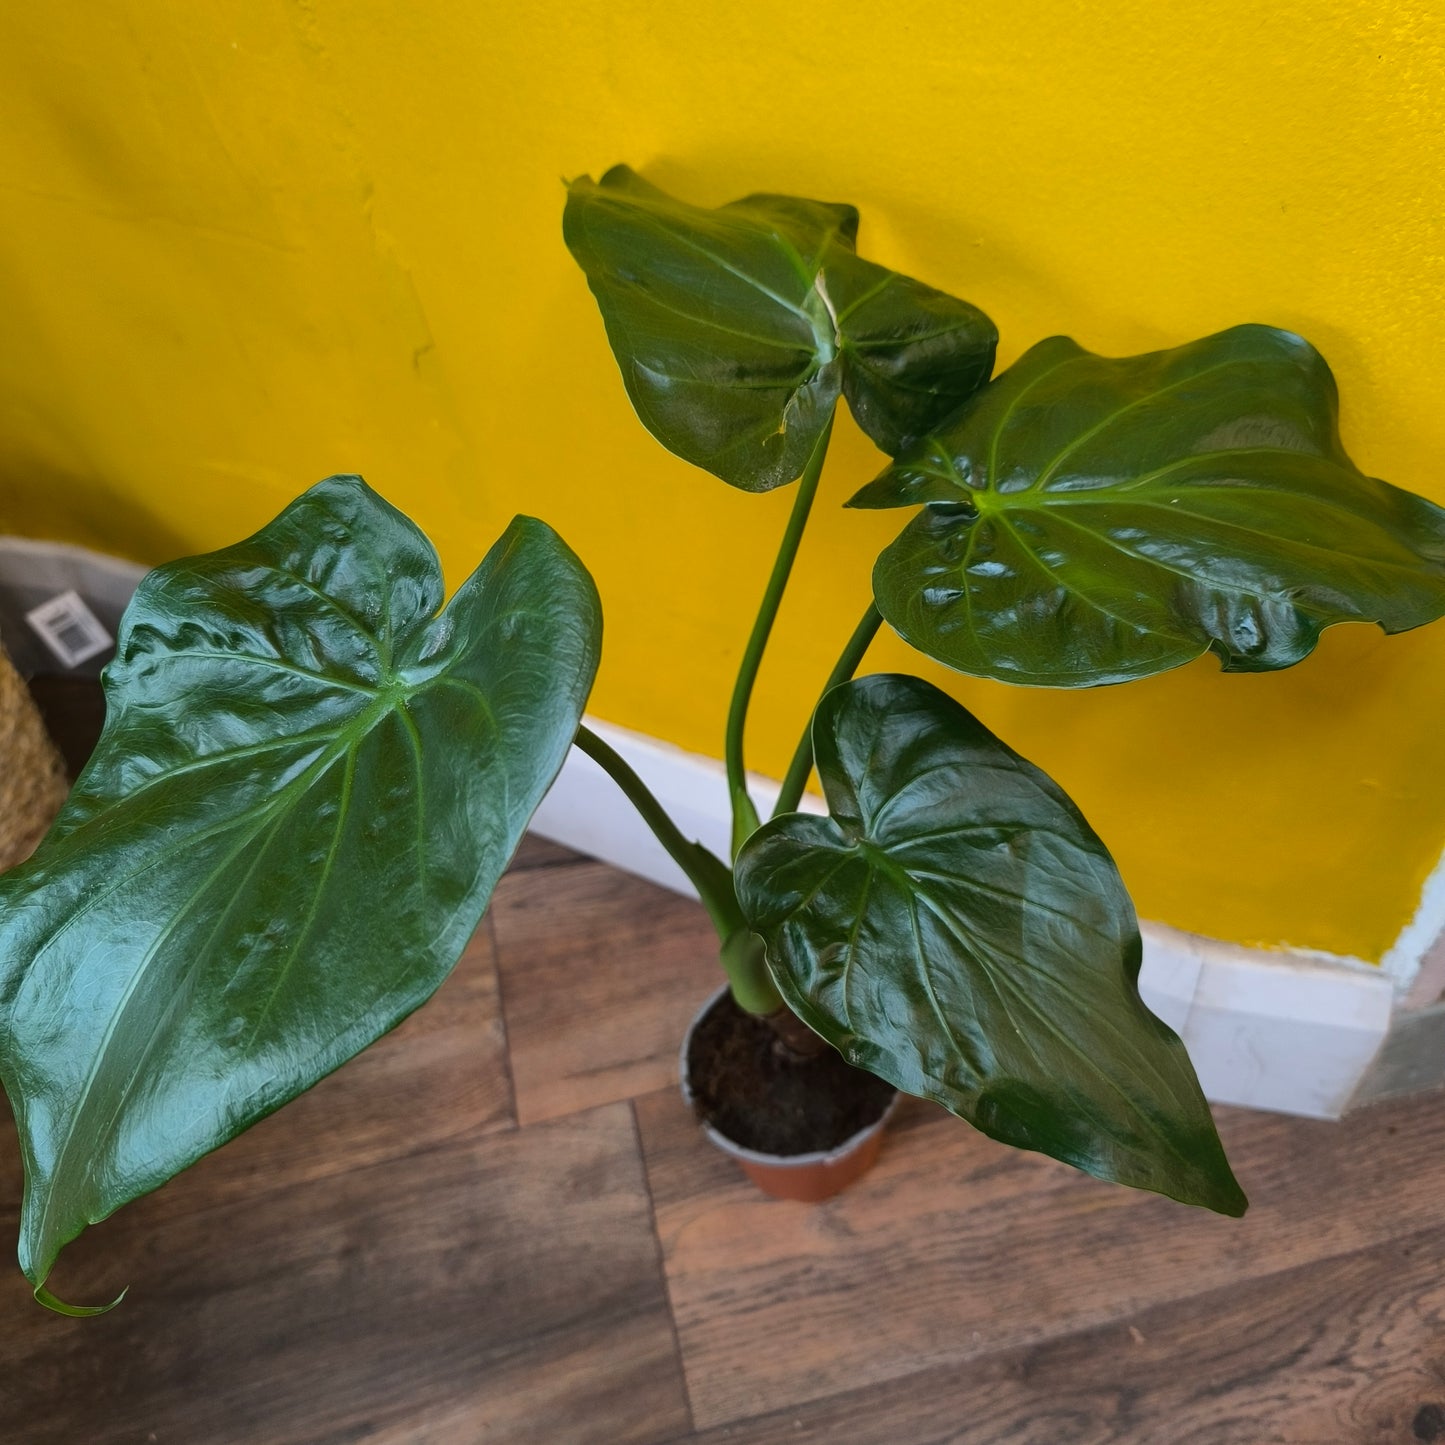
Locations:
758 1097
73 710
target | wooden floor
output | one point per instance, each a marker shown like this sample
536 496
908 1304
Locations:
500 1225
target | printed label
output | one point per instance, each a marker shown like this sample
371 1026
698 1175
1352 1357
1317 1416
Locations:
69 629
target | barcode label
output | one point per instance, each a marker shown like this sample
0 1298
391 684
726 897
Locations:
69 629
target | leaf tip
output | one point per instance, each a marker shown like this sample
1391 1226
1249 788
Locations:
1231 1200
1214 1186
874 495
75 1312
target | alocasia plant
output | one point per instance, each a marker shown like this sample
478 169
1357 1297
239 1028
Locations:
312 774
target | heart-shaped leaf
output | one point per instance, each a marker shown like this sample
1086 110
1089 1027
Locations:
307 786
1096 519
956 927
738 328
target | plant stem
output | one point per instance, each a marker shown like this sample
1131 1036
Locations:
707 873
740 953
847 664
745 815
752 985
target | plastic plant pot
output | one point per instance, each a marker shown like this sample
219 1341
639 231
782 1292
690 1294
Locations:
806 1178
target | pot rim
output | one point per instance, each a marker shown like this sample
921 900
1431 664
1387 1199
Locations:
755 1156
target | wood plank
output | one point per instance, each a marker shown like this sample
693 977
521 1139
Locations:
443 1073
956 1247
539 852
440 1075
501 1288
1346 1351
601 974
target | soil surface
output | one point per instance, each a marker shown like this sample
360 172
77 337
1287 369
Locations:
748 1090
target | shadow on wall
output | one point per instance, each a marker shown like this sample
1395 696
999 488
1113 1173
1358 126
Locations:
40 499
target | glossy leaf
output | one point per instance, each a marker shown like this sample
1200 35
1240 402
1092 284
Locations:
307 786
737 329
1093 519
956 927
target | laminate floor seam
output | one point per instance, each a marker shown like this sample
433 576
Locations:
601 1320
472 1134
545 865
662 1271
1129 1320
490 924
469 1136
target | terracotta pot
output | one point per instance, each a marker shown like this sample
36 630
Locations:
807 1178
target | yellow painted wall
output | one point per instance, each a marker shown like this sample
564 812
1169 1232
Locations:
251 242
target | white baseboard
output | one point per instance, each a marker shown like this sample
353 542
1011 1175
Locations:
1291 1032
1416 962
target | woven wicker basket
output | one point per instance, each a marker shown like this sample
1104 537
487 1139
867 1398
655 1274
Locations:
32 777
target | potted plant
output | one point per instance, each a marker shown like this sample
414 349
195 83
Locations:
954 926
312 774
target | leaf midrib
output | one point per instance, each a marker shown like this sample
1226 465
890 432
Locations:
104 1134
1110 418
680 237
347 740
998 979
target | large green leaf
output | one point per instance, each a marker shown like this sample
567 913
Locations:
308 784
956 927
1094 519
738 328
